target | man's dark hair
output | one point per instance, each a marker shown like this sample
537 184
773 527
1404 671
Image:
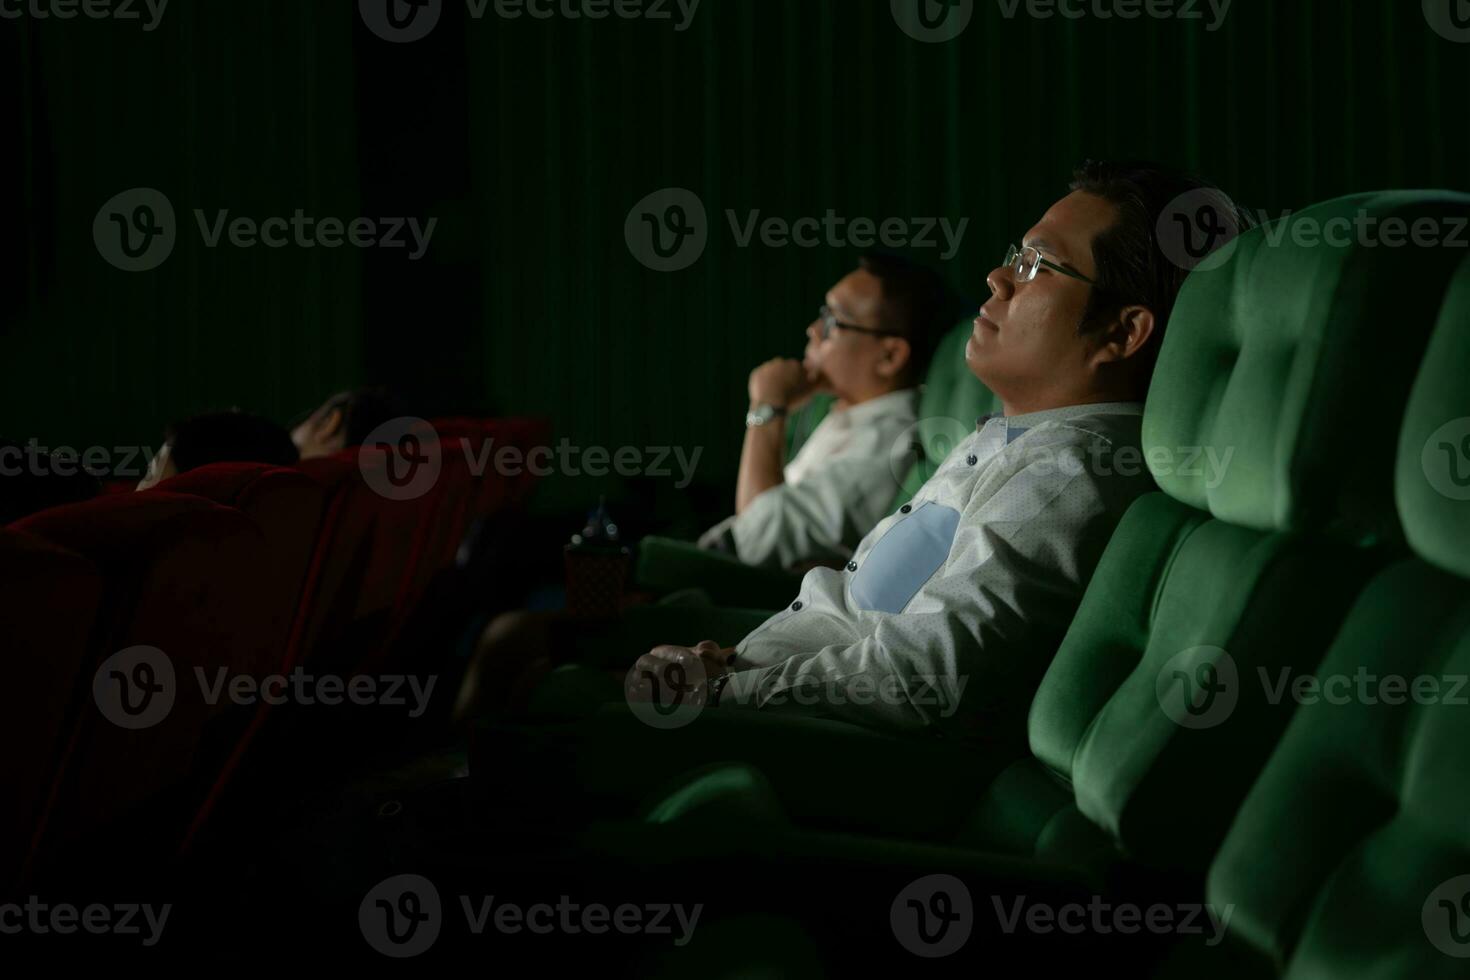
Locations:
1132 266
229 437
363 410
917 302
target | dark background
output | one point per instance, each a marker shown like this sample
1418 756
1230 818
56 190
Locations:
531 140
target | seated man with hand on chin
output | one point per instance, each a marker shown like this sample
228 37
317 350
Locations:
869 347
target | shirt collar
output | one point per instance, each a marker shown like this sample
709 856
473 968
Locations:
875 408
1016 426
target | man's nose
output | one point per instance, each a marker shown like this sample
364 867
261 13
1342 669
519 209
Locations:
1001 283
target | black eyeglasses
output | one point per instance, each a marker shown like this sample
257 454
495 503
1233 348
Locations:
829 322
1026 261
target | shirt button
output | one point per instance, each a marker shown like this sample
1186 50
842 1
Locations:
796 606
906 508
852 566
973 460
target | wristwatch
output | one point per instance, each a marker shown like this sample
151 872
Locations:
715 689
762 414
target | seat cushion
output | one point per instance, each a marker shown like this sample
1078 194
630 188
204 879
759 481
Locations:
1434 450
1360 818
1351 855
1265 359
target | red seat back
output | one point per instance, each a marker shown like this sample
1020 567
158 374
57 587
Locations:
180 575
287 506
364 559
49 599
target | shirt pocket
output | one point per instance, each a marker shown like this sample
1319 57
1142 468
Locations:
905 558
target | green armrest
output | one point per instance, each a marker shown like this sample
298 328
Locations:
667 565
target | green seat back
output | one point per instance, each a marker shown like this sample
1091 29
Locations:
1350 856
1271 437
949 405
804 422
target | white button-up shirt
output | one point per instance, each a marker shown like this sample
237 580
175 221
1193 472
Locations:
967 590
841 483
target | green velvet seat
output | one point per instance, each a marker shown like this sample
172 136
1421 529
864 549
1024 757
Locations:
1236 572
950 401
1350 858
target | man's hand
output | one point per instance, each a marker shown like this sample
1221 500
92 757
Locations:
677 675
782 382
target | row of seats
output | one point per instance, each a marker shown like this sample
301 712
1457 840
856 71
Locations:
252 569
1161 746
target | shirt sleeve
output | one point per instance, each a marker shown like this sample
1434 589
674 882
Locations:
824 516
982 630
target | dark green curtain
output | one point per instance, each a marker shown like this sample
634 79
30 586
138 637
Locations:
245 107
532 139
794 108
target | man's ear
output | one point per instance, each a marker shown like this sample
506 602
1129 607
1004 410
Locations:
331 423
897 353
1125 336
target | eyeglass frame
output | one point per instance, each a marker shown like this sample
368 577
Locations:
1014 252
829 320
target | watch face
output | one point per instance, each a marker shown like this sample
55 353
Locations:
760 415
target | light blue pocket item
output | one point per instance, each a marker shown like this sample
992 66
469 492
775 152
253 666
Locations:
905 558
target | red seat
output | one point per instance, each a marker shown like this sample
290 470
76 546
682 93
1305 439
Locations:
287 506
485 439
365 555
180 574
49 599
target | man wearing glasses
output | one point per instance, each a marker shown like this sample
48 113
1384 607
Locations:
969 588
869 347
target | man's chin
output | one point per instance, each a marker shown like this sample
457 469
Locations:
975 359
